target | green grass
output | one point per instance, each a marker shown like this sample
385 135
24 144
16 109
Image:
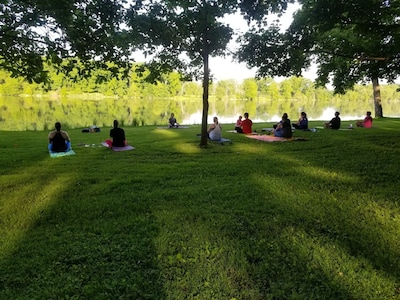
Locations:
315 219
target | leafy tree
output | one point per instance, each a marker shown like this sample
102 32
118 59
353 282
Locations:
36 31
351 41
183 34
250 89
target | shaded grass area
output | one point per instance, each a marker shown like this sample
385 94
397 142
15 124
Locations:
315 219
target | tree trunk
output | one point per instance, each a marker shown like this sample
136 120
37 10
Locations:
206 81
377 98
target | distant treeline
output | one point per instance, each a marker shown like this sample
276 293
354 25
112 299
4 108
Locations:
83 101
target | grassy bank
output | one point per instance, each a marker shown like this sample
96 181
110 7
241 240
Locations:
315 219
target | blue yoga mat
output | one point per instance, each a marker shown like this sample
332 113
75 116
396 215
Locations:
61 154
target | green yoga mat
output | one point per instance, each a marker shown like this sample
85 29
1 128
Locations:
61 154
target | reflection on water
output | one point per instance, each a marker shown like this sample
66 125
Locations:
325 115
29 113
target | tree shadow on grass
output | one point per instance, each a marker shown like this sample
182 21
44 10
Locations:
77 235
337 246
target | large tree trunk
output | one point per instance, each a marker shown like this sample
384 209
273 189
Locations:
206 80
377 98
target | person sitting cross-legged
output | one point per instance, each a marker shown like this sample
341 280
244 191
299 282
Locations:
284 128
59 140
215 130
118 136
334 123
247 124
367 122
302 123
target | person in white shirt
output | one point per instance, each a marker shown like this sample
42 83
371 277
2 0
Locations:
215 130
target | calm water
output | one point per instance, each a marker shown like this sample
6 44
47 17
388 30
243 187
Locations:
18 113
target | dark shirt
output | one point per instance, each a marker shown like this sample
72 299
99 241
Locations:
172 121
58 143
286 129
335 123
303 124
118 135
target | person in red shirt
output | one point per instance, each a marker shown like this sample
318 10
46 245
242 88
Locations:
367 122
246 124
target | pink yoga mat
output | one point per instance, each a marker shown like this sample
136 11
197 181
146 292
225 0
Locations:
117 149
267 138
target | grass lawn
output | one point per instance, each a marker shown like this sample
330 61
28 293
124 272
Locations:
315 219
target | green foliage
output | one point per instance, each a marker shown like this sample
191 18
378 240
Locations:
36 32
315 219
351 43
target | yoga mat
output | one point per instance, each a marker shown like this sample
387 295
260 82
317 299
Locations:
180 127
126 148
267 129
118 149
222 141
271 138
234 131
60 154
267 138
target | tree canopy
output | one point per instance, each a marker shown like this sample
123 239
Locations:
36 32
351 41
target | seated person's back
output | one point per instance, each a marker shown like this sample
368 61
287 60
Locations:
58 143
59 140
118 135
286 129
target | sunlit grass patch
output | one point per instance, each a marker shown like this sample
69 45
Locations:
317 219
27 198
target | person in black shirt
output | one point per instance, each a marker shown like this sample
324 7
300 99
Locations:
59 140
172 123
118 136
334 123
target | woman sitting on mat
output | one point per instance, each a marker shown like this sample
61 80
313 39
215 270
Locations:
367 122
59 140
302 123
284 127
238 125
118 135
215 130
172 122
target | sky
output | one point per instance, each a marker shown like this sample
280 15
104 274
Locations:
225 68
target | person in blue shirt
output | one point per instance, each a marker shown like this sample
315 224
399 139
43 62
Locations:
302 123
